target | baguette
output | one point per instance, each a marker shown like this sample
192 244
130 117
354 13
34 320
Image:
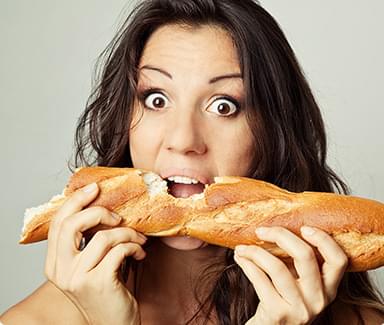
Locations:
225 214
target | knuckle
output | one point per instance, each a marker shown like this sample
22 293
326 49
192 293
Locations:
103 237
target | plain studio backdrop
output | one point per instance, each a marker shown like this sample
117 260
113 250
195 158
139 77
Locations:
49 48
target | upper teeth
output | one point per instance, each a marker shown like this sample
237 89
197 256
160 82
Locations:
183 179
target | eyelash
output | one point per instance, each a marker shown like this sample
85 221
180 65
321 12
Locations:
142 95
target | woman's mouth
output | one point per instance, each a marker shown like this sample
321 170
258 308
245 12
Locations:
180 190
184 186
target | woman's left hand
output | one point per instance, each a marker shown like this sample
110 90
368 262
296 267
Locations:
284 297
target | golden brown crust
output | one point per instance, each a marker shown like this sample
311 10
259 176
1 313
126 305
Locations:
241 189
88 175
229 213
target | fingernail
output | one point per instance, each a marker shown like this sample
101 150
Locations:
142 237
116 216
90 188
261 231
240 249
305 230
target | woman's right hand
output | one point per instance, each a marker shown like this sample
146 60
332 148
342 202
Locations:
90 277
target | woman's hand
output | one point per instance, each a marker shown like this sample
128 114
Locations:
90 277
286 297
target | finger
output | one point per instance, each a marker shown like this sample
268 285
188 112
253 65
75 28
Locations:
75 203
335 260
260 281
73 226
281 277
304 260
110 265
102 242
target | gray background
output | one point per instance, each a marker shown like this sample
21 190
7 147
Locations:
49 47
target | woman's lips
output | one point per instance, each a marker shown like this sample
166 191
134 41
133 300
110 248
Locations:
183 243
184 190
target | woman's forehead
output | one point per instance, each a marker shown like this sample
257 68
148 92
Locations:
206 48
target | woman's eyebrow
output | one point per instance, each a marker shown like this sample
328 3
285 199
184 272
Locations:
226 76
150 67
211 81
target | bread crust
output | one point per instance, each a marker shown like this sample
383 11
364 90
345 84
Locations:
228 213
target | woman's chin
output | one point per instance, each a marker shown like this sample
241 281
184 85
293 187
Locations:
184 243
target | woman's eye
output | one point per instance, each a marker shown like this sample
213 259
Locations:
155 101
223 107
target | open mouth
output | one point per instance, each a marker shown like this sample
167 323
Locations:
177 186
181 190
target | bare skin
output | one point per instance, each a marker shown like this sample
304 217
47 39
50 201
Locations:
48 305
184 128
176 280
186 133
184 107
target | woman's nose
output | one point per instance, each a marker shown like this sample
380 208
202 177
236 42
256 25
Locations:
185 133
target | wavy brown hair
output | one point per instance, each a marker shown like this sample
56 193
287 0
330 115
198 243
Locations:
288 130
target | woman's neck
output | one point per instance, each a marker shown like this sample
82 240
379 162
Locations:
168 277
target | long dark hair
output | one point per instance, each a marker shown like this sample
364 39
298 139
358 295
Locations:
289 137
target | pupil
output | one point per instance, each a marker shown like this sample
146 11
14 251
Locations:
158 102
224 108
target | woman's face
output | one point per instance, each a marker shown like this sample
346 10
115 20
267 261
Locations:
189 119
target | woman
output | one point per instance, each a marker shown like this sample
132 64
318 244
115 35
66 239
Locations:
199 88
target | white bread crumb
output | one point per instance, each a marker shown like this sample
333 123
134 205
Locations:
30 213
155 184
